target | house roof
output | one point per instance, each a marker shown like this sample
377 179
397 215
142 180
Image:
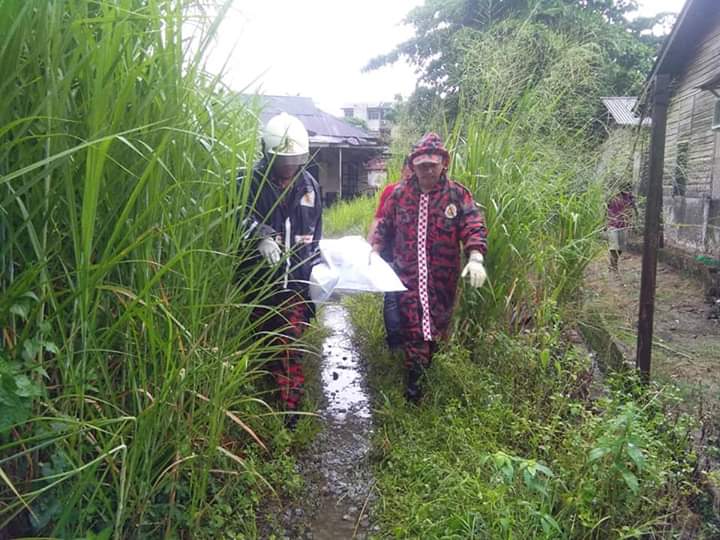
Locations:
621 110
695 18
324 129
369 105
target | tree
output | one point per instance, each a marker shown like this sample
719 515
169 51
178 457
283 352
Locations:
354 121
628 46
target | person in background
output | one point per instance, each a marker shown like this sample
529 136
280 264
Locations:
405 174
427 219
391 317
286 224
620 210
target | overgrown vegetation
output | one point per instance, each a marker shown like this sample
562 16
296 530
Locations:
129 360
450 33
516 437
127 368
506 444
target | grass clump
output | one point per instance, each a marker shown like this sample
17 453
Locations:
128 357
350 217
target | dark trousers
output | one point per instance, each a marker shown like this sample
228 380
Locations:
286 327
418 354
393 325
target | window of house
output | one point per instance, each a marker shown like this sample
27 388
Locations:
374 114
349 113
680 175
716 116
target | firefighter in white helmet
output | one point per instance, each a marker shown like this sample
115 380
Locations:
286 224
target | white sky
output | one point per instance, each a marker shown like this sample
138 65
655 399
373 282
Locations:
317 48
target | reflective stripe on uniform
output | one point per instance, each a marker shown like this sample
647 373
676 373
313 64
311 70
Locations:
423 274
288 236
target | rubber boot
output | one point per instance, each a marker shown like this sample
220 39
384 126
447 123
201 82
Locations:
413 388
291 421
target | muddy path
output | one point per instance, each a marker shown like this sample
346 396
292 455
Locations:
338 496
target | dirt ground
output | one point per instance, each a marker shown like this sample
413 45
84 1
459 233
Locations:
686 343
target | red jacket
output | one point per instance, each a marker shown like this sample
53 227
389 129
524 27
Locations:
426 230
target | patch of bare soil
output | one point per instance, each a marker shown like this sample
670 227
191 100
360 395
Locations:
686 343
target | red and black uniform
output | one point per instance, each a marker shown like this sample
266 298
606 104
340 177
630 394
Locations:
426 231
292 216
619 210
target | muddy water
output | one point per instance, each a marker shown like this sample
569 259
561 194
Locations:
338 494
341 451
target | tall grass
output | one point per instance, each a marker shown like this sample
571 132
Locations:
543 206
351 217
126 358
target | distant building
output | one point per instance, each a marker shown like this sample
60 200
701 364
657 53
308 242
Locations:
691 178
624 153
373 114
340 153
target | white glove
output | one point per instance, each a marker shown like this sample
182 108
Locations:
475 270
269 249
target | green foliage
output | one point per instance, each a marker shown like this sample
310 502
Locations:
128 380
506 446
543 210
350 217
20 373
457 42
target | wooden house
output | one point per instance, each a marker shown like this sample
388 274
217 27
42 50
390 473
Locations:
690 57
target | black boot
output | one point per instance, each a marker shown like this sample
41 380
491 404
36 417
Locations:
413 390
291 421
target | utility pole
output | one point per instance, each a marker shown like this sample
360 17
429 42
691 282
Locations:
661 96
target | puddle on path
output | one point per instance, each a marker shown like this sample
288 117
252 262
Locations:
342 448
338 495
343 376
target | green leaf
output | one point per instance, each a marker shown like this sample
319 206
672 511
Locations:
26 387
31 348
549 524
545 358
598 453
20 310
31 295
636 455
630 479
50 347
545 470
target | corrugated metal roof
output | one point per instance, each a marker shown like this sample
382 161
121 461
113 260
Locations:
621 110
323 128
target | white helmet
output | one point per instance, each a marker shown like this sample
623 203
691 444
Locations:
285 137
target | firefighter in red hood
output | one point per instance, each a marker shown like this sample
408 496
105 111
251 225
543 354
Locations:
426 220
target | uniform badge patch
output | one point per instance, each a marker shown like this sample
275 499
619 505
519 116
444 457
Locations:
303 238
450 211
308 199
